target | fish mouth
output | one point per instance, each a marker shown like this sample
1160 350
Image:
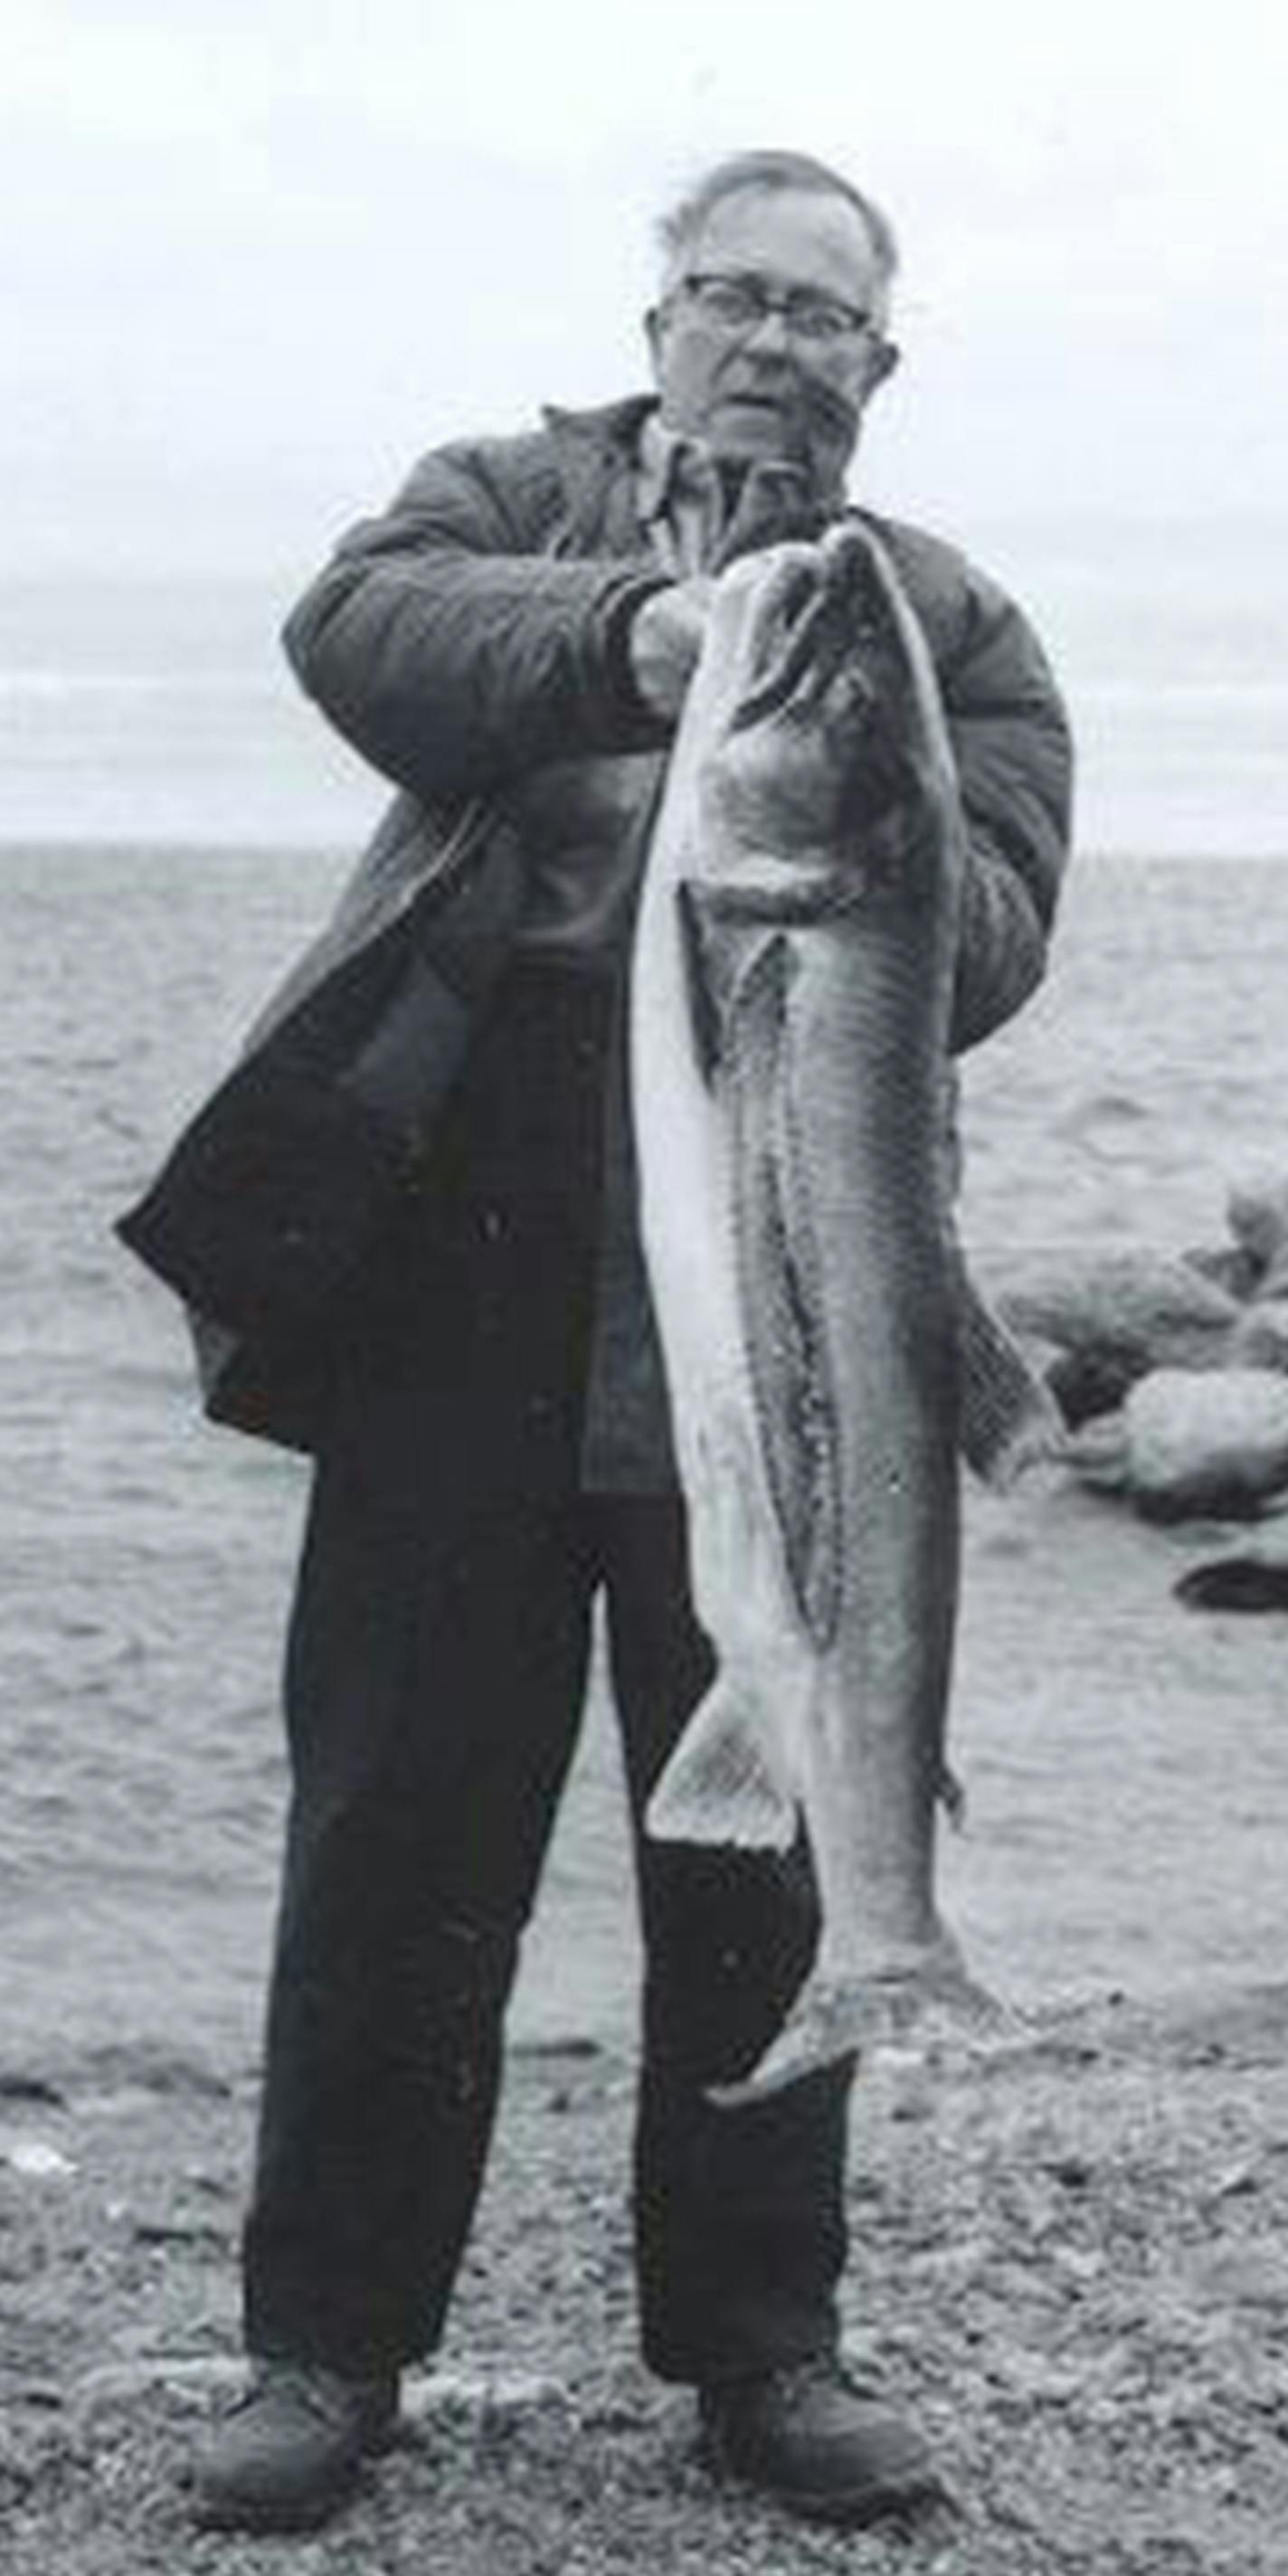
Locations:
807 620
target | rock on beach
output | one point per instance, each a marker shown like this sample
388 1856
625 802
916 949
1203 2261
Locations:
1257 1215
1244 1583
1260 1338
1188 1446
1169 1368
1099 1316
1145 1309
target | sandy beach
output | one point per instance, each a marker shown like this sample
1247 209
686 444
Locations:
1068 2251
1067 2254
1070 2264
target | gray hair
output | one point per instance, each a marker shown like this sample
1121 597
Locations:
683 223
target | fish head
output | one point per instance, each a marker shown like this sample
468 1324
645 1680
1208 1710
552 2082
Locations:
830 735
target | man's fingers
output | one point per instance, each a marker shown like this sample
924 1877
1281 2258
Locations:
665 641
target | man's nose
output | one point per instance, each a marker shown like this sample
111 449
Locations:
772 320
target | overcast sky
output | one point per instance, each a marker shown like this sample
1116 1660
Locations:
258 253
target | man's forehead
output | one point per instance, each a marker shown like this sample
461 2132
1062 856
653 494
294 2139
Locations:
812 235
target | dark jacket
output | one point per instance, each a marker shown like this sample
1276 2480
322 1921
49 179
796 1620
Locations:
472 644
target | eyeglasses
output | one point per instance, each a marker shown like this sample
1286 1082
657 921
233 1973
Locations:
740 302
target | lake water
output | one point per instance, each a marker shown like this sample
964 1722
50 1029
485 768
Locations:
163 711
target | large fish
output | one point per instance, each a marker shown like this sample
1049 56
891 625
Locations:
792 988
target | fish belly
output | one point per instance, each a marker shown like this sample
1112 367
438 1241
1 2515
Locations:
741 1789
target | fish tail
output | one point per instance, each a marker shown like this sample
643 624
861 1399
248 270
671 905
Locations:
834 2018
720 1785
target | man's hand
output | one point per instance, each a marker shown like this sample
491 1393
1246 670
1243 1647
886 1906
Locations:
665 641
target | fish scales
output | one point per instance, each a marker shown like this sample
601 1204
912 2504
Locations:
792 988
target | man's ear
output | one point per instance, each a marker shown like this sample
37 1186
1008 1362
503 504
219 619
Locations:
654 333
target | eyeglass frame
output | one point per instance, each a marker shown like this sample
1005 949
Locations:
854 325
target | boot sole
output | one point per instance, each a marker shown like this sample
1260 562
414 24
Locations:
264 2514
848 2508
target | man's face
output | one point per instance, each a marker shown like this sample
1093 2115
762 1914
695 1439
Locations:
755 386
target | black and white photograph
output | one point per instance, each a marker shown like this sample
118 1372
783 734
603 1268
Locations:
644 1289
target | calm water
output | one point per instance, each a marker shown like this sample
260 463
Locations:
163 711
1121 1755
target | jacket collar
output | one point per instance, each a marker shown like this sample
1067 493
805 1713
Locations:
592 444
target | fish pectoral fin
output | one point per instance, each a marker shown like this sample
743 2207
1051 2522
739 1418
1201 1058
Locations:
720 1786
1009 1420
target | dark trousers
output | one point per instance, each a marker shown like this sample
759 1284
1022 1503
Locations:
436 1671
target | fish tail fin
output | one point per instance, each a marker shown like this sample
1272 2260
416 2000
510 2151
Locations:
930 1999
821 2030
720 1785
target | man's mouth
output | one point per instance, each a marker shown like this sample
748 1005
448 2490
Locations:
778 411
757 398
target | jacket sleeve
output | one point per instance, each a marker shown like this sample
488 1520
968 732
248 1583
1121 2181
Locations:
453 649
1014 763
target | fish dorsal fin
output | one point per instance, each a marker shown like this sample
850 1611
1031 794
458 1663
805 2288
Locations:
720 1785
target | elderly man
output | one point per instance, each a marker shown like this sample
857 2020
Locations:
408 1225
